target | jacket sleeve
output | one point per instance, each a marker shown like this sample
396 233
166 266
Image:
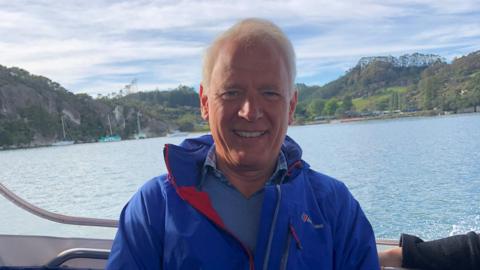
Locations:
354 240
459 252
138 243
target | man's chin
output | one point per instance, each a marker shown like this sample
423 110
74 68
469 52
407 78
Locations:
253 161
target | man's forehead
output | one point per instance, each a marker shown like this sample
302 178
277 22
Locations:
230 67
250 47
238 56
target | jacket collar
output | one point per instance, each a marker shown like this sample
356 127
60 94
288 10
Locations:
185 161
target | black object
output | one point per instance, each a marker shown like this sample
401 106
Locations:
459 252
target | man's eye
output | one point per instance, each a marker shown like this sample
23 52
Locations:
270 94
230 94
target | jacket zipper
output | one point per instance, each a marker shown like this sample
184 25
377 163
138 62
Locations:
272 228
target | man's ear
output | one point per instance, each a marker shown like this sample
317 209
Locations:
203 103
293 105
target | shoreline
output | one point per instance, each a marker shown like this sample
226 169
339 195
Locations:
306 123
383 117
33 146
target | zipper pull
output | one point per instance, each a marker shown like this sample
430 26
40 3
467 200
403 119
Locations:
295 236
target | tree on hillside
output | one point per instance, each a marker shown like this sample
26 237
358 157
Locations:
301 111
347 104
345 107
397 101
429 87
330 107
40 120
15 132
452 101
187 122
474 91
305 92
178 97
315 107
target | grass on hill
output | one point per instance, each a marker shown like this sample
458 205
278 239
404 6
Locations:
381 99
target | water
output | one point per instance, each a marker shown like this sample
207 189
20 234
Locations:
414 175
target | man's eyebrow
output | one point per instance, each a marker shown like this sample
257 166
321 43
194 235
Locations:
269 87
231 85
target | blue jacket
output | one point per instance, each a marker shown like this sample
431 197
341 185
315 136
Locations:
309 222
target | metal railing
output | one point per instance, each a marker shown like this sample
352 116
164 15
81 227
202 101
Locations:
85 221
59 218
78 253
387 242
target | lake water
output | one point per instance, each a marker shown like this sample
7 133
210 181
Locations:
413 175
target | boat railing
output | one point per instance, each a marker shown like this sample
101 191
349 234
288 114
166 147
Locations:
100 254
387 242
59 218
78 253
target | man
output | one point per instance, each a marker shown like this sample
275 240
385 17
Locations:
458 252
242 198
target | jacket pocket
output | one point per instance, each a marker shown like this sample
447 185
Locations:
292 238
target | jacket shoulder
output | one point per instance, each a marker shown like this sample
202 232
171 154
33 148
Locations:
331 195
140 231
326 186
148 203
155 186
352 234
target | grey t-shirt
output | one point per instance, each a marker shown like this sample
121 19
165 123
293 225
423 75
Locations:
240 215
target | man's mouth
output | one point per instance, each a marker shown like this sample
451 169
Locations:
249 134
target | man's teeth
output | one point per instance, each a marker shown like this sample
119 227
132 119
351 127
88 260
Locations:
247 134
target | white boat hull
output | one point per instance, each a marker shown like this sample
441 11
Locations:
63 143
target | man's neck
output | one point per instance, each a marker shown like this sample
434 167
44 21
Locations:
246 180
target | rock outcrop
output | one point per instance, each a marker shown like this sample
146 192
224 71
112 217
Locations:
406 60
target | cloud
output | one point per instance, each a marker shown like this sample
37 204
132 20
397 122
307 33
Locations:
90 46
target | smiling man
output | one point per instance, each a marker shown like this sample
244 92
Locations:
249 100
242 197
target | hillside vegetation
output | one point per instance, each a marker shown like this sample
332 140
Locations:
31 106
381 85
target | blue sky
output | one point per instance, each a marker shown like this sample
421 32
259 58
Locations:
100 46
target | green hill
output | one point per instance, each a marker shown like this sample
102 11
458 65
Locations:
31 108
386 85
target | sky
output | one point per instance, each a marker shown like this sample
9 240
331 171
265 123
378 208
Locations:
98 47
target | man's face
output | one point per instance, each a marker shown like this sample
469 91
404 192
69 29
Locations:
248 104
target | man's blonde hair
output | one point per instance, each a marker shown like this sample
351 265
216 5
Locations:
249 30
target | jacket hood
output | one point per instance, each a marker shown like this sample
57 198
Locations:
191 153
290 148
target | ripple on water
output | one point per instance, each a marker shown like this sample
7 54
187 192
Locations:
419 176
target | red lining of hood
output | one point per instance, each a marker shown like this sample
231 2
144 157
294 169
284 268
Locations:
200 201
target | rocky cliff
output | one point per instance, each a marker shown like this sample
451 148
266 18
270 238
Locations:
406 60
31 109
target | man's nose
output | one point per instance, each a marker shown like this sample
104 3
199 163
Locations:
250 109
